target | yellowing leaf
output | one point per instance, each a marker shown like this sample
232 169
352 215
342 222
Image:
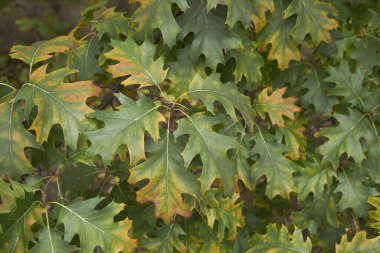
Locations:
168 180
96 227
312 19
276 106
158 14
136 61
294 139
125 127
359 244
9 192
276 33
260 9
225 211
375 214
212 147
43 50
14 138
58 102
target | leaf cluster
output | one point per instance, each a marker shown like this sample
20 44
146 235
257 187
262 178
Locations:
197 126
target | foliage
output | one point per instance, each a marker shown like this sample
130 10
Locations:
196 126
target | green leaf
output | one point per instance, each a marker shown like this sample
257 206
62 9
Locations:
136 61
371 165
181 72
202 239
239 10
158 14
354 192
316 93
50 240
367 53
211 4
85 61
312 19
277 169
14 138
7 92
282 48
58 102
345 138
211 146
88 12
112 23
348 85
319 216
242 166
16 225
248 63
125 127
95 227
208 29
240 157
8 195
43 50
212 89
280 241
375 214
276 106
244 11
359 244
313 179
165 240
168 180
224 210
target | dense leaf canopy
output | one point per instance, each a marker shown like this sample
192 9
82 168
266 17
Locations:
196 126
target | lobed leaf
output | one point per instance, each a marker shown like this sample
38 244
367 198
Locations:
158 14
14 138
211 146
208 28
43 50
276 106
96 227
58 102
312 19
277 169
211 89
168 181
276 241
125 127
136 62
359 244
